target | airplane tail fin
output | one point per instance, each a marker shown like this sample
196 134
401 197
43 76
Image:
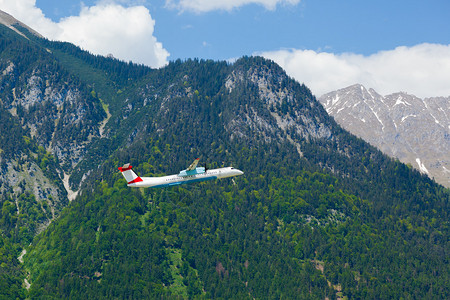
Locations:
129 175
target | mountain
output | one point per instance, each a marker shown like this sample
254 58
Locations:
319 212
415 131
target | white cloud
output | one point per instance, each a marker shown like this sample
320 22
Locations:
201 6
422 70
125 32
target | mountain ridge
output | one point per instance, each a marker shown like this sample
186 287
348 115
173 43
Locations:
11 22
414 130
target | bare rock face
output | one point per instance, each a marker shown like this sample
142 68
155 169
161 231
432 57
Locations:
414 130
36 197
59 114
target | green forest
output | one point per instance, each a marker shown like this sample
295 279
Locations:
318 214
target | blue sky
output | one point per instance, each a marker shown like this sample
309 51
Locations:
333 26
362 27
327 44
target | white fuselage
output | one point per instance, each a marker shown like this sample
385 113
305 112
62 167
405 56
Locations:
172 180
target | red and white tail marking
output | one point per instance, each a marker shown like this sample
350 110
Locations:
129 175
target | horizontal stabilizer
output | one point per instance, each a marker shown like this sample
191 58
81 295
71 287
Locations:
125 167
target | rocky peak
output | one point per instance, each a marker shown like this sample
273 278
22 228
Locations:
279 110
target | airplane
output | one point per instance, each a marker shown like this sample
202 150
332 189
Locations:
189 175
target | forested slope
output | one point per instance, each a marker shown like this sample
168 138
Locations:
318 212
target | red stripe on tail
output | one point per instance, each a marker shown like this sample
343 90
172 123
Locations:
138 179
122 169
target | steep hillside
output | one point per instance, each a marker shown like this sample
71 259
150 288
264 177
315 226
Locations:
47 119
60 112
319 213
414 130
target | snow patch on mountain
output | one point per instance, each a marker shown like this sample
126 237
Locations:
421 166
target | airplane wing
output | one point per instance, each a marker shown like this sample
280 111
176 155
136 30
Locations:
193 165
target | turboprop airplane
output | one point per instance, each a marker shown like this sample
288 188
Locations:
191 174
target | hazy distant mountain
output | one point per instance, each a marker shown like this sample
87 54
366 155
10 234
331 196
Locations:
414 130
